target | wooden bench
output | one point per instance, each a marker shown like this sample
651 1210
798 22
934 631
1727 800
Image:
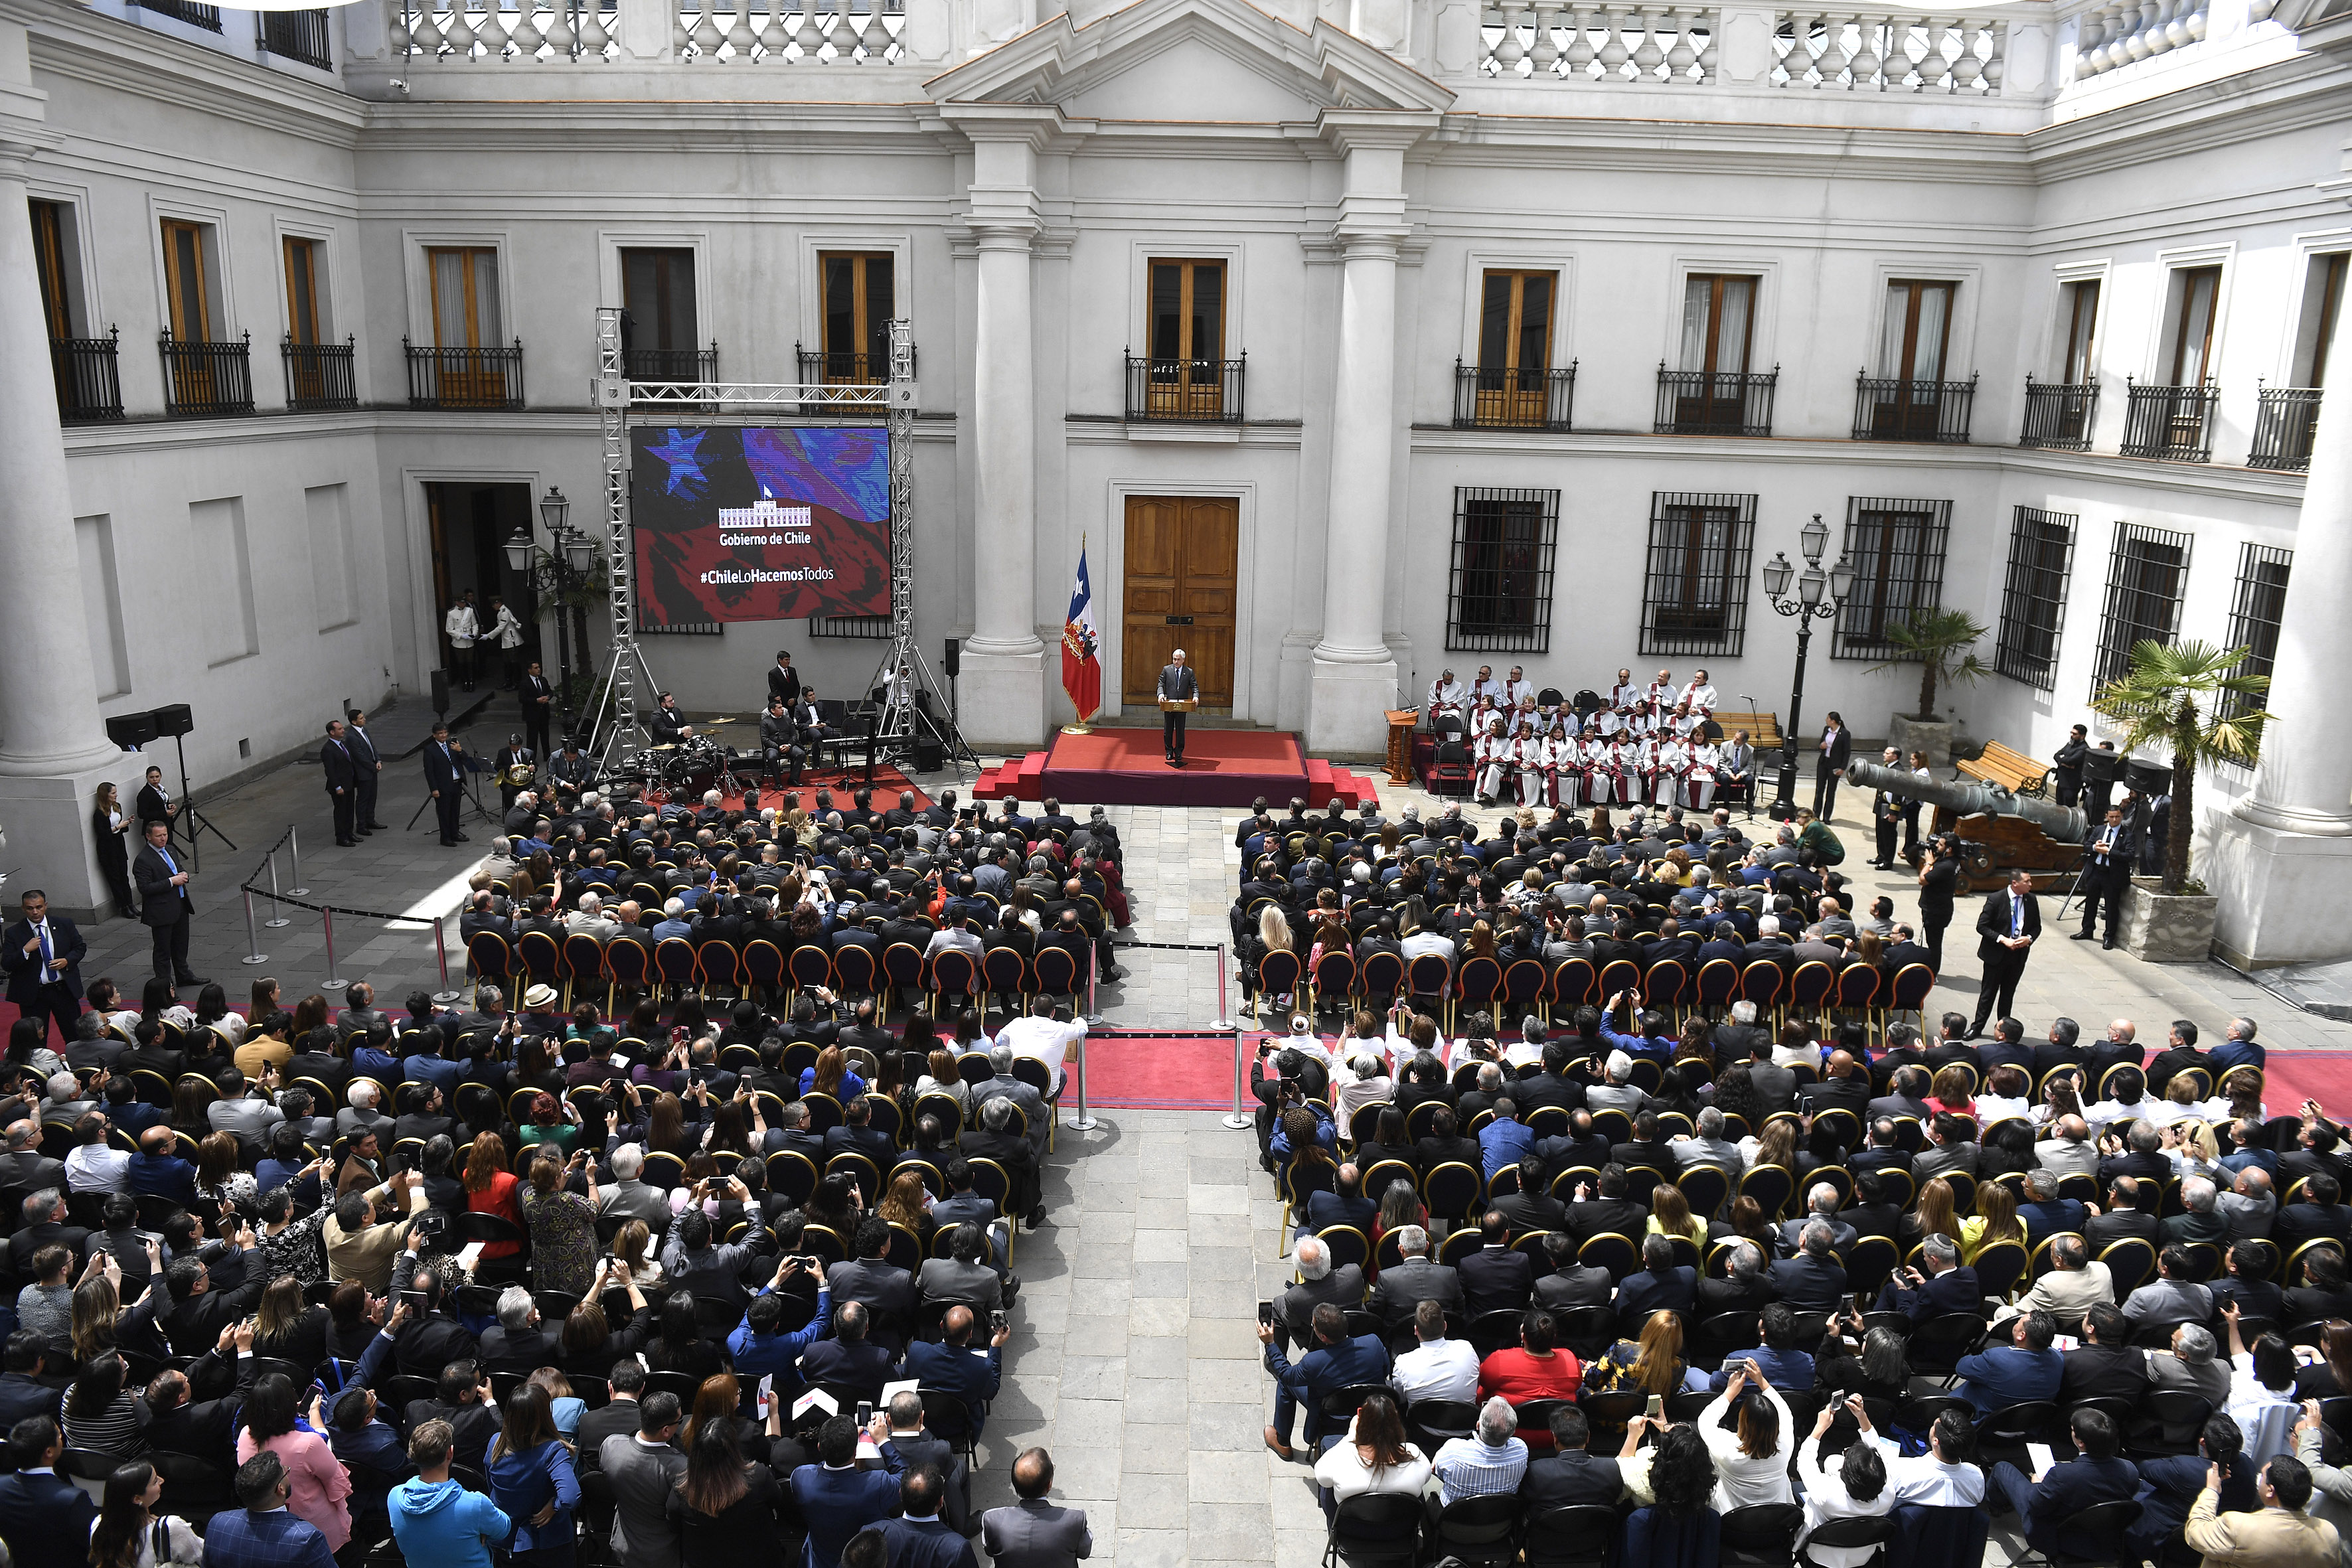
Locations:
2011 769
1763 729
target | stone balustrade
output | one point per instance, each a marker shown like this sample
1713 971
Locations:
1883 52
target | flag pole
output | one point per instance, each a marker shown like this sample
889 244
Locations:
1082 727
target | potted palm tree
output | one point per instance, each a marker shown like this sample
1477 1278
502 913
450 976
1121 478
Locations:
2189 699
1940 644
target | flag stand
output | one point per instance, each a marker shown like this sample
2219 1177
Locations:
1080 644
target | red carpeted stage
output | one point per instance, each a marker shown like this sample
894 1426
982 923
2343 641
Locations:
1222 767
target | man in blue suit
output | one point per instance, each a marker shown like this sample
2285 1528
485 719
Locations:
263 1534
1660 1287
919 1538
837 1499
1503 1141
2023 1370
1335 1362
42 953
2044 1214
1948 1286
44 1518
952 1366
2095 1476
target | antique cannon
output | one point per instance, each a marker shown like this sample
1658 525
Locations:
2000 830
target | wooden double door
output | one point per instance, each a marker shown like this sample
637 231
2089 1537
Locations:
1182 558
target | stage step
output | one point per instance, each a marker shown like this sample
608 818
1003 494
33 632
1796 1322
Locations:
1021 779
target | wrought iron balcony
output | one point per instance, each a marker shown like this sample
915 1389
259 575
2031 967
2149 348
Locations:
464 377
1185 391
319 376
1892 408
819 368
2173 422
207 380
1715 403
88 373
2283 428
694 365
194 16
2060 414
300 36
1513 397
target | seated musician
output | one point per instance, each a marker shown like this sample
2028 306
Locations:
780 741
667 724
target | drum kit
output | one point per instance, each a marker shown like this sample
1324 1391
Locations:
690 766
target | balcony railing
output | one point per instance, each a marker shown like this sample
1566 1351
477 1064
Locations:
1715 403
2174 421
464 377
819 368
696 365
319 376
207 380
205 16
2060 414
2285 426
1513 397
1185 391
90 377
294 36
1890 408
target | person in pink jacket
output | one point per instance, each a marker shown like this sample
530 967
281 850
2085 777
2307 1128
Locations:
319 1483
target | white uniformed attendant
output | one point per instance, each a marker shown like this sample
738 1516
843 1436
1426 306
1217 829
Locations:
1517 686
1707 758
1625 693
1534 756
1496 759
1674 763
1485 685
1700 693
1447 695
1524 718
1660 693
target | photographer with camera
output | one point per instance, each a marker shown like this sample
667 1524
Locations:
1939 885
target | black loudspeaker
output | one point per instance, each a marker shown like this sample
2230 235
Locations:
2150 779
440 691
930 756
2101 766
173 719
953 662
131 731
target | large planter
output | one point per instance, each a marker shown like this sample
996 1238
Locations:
1908 735
2166 929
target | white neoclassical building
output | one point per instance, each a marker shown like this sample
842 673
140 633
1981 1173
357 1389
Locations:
1354 341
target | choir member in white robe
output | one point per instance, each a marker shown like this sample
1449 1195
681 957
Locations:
1707 758
1700 694
1447 695
1497 760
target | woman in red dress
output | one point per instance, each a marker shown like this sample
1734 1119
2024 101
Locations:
491 1189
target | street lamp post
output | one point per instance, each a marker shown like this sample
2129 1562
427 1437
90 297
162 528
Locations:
1818 594
554 573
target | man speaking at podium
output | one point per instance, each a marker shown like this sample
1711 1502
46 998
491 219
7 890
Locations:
1176 684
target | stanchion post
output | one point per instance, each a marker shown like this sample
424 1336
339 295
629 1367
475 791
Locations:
294 859
276 910
327 914
1223 1021
1238 1119
252 938
444 997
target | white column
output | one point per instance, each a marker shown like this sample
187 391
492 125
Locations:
1003 687
1354 680
2279 862
53 746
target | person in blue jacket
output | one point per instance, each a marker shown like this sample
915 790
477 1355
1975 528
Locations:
757 1348
533 1480
434 1518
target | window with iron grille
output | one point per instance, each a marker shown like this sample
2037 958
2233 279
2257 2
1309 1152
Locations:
1695 599
1500 597
2033 601
1896 550
2147 575
2255 615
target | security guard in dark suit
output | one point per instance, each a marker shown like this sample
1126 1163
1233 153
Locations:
2109 852
343 783
1177 682
538 698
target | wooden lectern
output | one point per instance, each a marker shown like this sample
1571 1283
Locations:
1179 704
1399 761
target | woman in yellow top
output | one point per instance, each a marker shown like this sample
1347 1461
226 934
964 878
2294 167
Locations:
1995 1220
1670 1215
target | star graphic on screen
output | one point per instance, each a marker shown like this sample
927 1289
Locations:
682 451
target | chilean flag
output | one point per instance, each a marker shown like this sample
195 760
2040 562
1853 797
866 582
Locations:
1081 646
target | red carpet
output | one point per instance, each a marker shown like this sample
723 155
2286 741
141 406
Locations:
1194 1073
1222 767
2289 1078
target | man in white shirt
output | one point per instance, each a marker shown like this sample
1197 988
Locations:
1491 1461
1436 1367
1041 1036
1934 1479
1700 693
91 1166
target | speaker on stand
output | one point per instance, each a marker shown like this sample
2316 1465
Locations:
440 694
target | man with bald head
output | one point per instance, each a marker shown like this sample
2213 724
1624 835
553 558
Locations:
2069 1151
156 1170
953 1366
2121 1047
23 1167
1845 1087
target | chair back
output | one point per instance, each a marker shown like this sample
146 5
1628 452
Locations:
1452 1190
1909 991
1478 982
1762 1532
1760 983
1381 978
824 1112
1718 982
2000 1265
1663 987
674 961
1346 1245
1869 1262
1618 1254
953 974
720 966
1056 971
1386 1173
1706 1187
583 957
1573 982
1479 1529
1770 1185
856 970
791 1174
1377 1530
487 955
1857 987
1620 974
1524 983
1335 974
1428 974
1809 984
2131 1260
903 962
1004 970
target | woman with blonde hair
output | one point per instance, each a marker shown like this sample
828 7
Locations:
2194 1151
940 1077
1933 1216
1654 1364
1995 1220
630 1245
1670 1216
1774 1143
217 1176
286 1326
110 825
907 1204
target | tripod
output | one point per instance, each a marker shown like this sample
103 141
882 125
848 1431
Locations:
198 823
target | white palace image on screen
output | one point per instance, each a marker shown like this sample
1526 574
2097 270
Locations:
763 513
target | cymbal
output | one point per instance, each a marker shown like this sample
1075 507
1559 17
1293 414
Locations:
719 720
663 746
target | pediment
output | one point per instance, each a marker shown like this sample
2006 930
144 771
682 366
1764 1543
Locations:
1190 60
